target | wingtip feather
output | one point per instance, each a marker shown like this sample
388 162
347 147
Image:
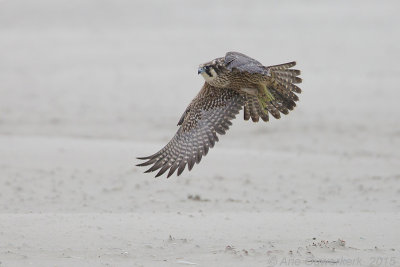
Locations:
143 158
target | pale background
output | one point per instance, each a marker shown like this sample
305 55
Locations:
87 86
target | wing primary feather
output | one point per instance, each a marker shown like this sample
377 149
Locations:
173 168
182 166
157 165
191 162
147 162
214 134
220 130
206 149
199 156
148 157
163 169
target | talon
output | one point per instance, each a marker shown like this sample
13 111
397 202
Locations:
266 93
264 96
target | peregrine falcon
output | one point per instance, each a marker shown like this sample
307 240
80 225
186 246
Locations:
232 82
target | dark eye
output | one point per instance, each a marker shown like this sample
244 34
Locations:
207 68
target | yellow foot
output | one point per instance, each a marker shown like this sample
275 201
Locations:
264 95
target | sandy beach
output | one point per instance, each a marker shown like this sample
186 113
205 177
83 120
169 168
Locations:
88 86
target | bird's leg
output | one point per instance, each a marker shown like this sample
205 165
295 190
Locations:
264 95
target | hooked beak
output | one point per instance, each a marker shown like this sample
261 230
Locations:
201 70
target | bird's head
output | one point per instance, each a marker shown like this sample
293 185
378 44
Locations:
209 70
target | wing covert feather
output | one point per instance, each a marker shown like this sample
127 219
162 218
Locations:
243 63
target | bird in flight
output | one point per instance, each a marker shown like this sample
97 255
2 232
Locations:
232 82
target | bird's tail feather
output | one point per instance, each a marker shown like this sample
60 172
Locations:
283 86
281 93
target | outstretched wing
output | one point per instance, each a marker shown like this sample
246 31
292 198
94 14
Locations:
209 113
241 62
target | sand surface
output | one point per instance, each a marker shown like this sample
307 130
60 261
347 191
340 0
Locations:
87 86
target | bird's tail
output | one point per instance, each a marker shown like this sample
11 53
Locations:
277 96
283 87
